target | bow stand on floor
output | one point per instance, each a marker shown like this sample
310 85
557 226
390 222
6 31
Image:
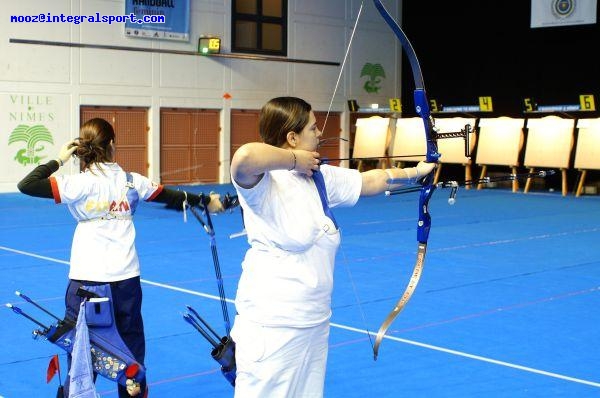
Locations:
223 350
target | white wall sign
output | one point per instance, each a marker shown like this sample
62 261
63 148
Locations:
549 13
34 127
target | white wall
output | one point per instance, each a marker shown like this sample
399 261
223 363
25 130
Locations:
47 84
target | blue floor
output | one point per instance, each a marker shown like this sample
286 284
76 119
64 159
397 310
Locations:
507 305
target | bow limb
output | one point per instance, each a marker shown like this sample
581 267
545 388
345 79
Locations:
427 189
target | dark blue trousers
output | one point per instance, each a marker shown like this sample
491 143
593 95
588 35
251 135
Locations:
127 306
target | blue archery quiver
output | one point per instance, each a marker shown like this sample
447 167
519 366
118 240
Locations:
111 358
223 347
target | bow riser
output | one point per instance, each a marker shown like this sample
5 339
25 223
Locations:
422 109
424 223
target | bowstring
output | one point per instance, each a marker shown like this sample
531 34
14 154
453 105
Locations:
343 252
337 83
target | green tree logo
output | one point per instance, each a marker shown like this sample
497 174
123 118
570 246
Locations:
31 136
374 72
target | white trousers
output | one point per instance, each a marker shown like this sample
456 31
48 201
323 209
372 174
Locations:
279 362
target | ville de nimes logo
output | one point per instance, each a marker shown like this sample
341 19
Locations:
32 139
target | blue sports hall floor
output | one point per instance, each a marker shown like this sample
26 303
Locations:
507 306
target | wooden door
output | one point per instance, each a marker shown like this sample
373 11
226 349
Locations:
244 128
131 134
189 146
330 149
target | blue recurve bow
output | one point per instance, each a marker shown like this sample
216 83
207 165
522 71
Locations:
427 189
428 186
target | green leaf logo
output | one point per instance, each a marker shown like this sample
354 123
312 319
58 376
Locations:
374 72
31 136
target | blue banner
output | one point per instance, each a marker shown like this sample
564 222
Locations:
158 19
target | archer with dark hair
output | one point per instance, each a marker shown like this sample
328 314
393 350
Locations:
283 300
103 199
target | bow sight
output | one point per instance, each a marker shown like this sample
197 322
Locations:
454 185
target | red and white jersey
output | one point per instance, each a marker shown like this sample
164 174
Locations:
103 248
